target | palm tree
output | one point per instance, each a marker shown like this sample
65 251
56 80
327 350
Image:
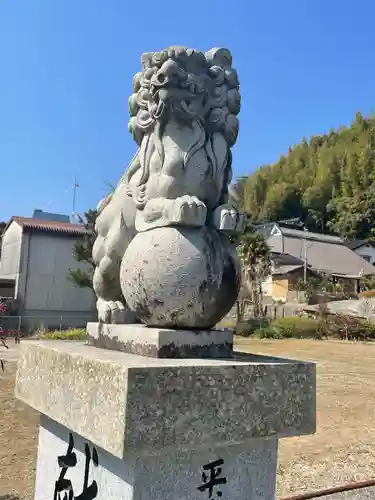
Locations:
254 254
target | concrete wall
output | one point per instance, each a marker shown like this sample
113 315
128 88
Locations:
275 288
267 286
10 252
20 292
366 251
6 291
47 293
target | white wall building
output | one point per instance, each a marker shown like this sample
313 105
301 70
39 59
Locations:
37 255
363 248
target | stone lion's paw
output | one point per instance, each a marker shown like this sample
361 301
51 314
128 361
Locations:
111 311
229 219
189 211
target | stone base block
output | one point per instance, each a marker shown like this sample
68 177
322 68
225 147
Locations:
133 404
227 472
161 342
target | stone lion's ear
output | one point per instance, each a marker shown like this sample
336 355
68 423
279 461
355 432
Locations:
219 57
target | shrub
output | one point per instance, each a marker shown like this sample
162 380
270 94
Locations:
339 326
297 327
243 329
281 328
268 333
250 327
347 327
74 334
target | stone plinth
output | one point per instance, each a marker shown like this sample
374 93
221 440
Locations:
157 424
250 470
161 342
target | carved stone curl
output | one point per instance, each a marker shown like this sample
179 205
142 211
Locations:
167 222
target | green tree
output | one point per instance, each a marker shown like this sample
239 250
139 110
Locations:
329 181
82 252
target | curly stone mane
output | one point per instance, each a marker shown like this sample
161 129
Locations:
185 85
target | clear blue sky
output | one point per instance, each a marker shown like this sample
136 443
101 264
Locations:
67 66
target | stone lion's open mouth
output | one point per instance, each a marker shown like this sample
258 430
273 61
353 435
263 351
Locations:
170 98
172 92
160 80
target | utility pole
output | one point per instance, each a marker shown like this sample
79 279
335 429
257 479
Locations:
305 261
305 256
75 186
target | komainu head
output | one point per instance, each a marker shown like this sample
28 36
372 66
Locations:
183 84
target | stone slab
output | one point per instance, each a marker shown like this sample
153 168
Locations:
125 402
249 471
161 342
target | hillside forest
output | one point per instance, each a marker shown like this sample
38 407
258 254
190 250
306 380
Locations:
327 181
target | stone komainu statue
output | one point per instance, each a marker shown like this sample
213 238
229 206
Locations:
162 247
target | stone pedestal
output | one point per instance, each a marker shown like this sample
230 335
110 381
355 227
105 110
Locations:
249 470
133 427
161 342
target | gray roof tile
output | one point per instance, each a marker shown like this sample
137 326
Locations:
324 253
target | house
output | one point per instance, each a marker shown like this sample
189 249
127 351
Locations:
299 253
286 272
36 255
364 248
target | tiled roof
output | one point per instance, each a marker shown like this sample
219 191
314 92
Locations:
326 253
308 235
286 269
48 226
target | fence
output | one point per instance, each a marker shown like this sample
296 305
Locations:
25 325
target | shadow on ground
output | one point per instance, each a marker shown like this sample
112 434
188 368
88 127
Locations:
9 497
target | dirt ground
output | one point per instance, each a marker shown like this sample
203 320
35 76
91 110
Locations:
342 450
18 441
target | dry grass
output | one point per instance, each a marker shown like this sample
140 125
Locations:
342 450
18 440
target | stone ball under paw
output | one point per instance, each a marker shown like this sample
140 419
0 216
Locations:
180 277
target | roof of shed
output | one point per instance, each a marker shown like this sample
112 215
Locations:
324 253
47 226
286 269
